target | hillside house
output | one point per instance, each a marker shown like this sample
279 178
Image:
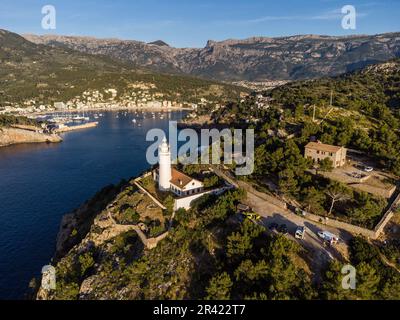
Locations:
318 151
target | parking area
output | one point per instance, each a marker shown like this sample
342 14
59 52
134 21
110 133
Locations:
271 214
360 173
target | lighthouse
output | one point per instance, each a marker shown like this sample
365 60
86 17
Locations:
165 174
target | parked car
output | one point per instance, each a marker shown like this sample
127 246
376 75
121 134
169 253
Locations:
300 233
368 169
283 229
252 216
356 175
273 226
329 237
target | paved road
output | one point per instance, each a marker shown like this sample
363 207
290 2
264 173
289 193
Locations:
319 253
273 214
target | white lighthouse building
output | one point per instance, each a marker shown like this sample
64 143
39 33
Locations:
165 171
169 179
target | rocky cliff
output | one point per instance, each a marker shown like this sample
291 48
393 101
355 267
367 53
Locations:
9 136
253 59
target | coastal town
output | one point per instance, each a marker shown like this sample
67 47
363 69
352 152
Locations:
143 96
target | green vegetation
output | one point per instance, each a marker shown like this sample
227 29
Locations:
284 163
7 121
375 280
369 110
210 255
48 74
207 258
365 116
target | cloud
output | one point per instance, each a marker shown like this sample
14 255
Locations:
335 14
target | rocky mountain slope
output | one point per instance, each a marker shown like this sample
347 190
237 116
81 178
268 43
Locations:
253 59
47 74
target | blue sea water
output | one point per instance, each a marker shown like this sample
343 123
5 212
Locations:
39 183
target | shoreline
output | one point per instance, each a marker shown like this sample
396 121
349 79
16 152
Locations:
14 136
164 110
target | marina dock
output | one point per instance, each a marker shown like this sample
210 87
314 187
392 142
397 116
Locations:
77 127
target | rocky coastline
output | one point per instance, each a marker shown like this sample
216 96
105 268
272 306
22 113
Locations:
11 136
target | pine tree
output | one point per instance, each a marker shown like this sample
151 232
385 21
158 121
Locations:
219 287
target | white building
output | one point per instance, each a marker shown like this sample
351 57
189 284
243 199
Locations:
165 172
171 179
185 188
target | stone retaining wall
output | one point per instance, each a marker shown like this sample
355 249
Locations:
341 225
373 234
149 194
386 218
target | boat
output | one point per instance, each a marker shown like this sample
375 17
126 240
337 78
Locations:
78 118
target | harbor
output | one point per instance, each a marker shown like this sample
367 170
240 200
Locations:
64 128
67 122
42 182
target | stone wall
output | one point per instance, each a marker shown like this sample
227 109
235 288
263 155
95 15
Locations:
373 234
386 218
149 194
186 202
356 230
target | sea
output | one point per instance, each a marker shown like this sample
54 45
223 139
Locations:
39 183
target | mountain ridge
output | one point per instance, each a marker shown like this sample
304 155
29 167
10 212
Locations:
253 59
36 73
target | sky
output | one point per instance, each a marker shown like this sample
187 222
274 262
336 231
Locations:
189 23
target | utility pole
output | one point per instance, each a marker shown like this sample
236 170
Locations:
313 117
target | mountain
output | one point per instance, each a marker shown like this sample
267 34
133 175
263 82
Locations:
58 73
253 59
160 43
363 115
370 90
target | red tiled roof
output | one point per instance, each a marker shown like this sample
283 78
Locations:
180 179
323 147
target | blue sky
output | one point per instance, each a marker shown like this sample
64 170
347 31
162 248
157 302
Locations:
189 23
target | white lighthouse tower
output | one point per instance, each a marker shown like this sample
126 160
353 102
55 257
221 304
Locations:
164 159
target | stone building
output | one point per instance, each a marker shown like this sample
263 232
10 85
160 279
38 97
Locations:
318 151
